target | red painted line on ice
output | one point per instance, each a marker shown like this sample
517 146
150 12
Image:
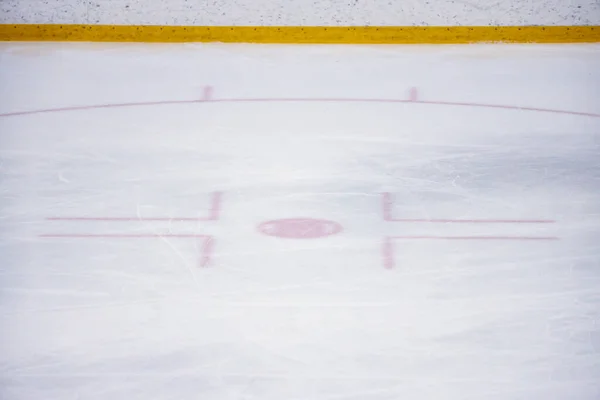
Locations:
123 219
297 100
207 93
477 237
100 106
388 253
388 247
477 221
207 251
215 208
208 242
213 214
413 94
387 203
121 235
387 206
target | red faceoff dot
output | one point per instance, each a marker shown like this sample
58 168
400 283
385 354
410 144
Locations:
300 228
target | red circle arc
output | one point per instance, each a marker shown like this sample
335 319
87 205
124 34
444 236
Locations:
299 100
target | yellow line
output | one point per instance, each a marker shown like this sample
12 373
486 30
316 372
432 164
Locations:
307 34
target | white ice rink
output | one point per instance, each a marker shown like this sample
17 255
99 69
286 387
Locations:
237 222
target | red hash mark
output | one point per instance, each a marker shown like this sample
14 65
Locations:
207 242
413 94
207 93
388 248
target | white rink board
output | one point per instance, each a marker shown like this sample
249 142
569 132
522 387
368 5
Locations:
302 12
466 267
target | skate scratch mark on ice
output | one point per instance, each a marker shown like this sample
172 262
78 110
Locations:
257 375
210 300
57 292
97 306
62 178
205 300
279 288
173 248
311 305
212 215
363 394
299 100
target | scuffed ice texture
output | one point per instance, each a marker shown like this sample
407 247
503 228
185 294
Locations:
137 318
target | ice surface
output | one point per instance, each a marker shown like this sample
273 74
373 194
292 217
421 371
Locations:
134 179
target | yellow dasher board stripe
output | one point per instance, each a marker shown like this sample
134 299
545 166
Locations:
302 34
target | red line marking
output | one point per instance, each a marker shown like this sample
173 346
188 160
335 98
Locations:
478 221
387 203
101 106
300 100
120 219
388 247
215 207
387 207
388 253
478 237
413 94
207 251
207 93
213 214
122 235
